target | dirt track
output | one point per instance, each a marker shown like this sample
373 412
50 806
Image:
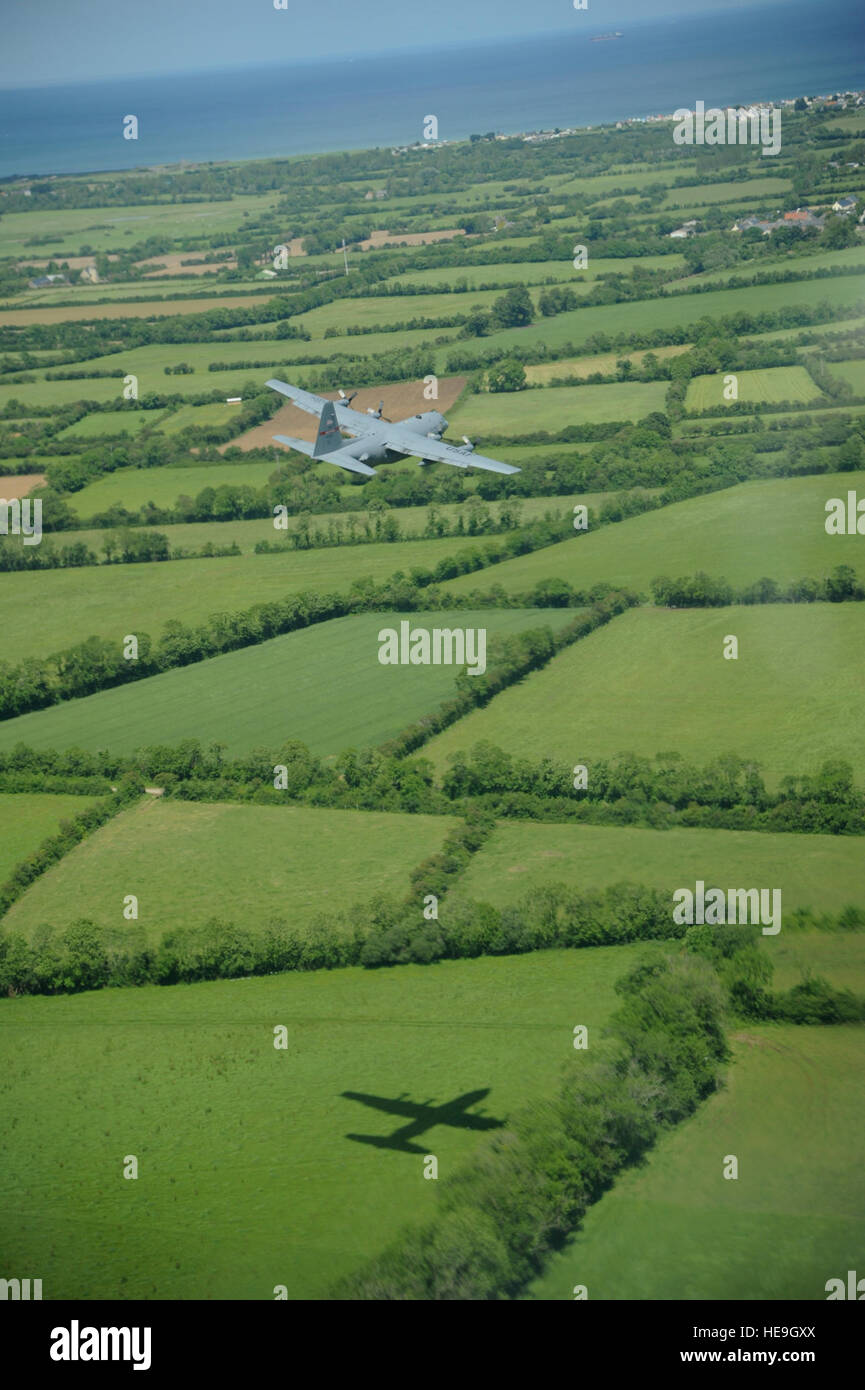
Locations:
400 400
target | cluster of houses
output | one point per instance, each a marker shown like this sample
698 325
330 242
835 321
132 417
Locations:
88 276
799 217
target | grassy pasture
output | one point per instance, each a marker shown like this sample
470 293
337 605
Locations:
110 601
190 862
112 422
147 364
839 326
766 384
161 308
247 1168
655 679
605 362
105 292
820 260
379 309
852 372
774 528
26 819
104 229
412 520
632 180
323 685
675 1229
790 418
522 412
643 315
531 272
838 956
133 487
42 393
824 872
215 413
732 192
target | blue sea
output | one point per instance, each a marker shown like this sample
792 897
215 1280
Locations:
731 56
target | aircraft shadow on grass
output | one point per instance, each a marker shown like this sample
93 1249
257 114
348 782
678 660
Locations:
421 1117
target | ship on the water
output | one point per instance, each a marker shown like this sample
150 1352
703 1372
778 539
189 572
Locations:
599 38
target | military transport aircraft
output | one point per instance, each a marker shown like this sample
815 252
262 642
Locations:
421 1117
376 439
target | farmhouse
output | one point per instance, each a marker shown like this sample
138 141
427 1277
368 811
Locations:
803 217
42 282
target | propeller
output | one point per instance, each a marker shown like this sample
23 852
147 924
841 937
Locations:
347 399
377 413
469 446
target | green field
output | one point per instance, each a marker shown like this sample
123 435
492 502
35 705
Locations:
851 372
103 229
247 1175
215 413
655 680
768 384
838 956
158 288
775 529
112 600
671 311
815 260
380 309
605 362
261 1167
189 862
134 487
42 393
523 412
231 382
412 520
675 1229
824 872
28 818
323 685
732 192
149 363
111 422
530 272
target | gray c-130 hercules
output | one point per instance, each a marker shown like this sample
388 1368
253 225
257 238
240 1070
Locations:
376 439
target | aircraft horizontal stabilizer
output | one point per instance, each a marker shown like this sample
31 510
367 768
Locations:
341 457
301 445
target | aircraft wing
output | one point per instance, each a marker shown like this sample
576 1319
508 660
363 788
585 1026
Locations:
437 451
393 1142
306 400
407 1108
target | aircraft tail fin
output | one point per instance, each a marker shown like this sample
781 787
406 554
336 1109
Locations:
329 437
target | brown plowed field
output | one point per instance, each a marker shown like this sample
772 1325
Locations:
382 238
20 484
400 400
172 265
